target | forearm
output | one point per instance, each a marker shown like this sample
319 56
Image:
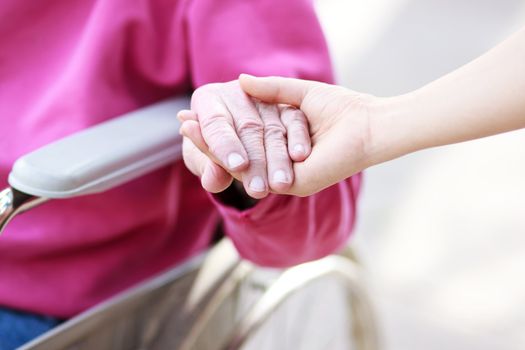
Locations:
482 98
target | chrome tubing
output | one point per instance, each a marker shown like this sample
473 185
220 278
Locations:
14 202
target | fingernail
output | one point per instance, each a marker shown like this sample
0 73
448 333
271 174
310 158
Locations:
298 148
280 176
257 184
234 160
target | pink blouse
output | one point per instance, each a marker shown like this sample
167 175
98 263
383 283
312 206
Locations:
69 64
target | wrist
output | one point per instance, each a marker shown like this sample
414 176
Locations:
393 128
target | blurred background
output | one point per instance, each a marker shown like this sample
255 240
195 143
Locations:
441 233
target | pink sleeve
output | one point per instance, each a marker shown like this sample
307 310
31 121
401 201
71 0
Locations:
282 230
271 37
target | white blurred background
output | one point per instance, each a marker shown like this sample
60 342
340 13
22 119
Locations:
441 232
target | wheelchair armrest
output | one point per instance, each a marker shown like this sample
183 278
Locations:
103 156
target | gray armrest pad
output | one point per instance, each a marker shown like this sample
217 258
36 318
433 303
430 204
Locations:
103 156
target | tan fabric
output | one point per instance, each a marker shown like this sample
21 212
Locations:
200 305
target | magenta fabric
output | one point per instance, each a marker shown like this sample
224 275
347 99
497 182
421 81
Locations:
69 64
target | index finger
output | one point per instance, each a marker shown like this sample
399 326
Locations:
218 130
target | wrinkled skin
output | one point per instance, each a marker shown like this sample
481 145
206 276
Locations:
228 135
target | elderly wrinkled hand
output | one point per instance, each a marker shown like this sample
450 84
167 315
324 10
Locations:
228 135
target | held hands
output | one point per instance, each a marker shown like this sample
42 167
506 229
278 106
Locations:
259 142
351 131
230 136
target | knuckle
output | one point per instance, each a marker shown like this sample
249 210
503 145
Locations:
292 116
285 109
253 142
214 124
203 93
299 130
277 150
256 154
200 93
266 108
274 131
297 117
257 157
249 126
205 89
290 110
197 94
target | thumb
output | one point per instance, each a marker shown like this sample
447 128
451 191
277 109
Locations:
276 89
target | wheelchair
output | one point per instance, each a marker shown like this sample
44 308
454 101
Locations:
214 301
